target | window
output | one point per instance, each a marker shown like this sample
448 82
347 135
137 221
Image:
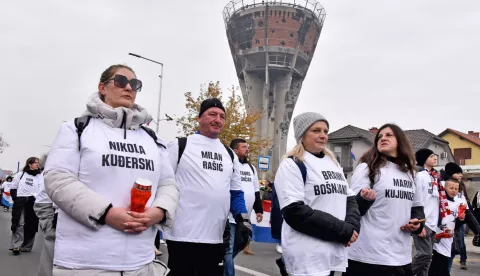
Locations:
338 153
462 154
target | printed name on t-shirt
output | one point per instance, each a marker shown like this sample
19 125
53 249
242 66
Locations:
29 181
430 187
331 188
246 176
215 164
401 194
129 162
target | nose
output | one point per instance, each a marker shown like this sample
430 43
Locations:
128 88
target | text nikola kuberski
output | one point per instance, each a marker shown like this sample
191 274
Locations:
129 162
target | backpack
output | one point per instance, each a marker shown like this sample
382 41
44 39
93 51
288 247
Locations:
82 122
251 167
302 167
276 218
182 143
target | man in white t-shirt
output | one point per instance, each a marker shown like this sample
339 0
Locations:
429 180
251 193
209 179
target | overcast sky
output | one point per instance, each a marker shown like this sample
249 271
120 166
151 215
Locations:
415 63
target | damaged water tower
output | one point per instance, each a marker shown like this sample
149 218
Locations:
272 44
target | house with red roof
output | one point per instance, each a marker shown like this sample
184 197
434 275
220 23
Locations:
465 146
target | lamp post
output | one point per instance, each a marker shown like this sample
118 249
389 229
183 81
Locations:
161 80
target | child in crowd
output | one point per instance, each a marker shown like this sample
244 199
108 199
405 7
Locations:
449 213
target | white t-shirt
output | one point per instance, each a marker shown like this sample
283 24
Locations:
41 196
444 246
432 202
249 187
26 185
381 241
109 165
326 190
205 176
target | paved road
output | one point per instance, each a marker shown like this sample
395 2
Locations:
261 264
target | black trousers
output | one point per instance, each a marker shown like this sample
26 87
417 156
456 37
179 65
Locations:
157 240
195 259
439 265
363 269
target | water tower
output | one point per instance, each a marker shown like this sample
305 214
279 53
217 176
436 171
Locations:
272 45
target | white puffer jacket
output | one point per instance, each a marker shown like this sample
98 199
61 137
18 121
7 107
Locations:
74 197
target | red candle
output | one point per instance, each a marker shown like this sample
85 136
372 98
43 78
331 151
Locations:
141 193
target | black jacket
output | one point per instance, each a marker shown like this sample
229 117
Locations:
323 225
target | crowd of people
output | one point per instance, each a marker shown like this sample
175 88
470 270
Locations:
203 192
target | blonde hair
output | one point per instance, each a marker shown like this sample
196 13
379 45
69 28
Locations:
298 153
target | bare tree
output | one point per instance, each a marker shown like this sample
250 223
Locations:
43 160
3 143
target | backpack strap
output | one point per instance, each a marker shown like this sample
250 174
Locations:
182 143
81 123
230 152
302 167
21 175
251 167
152 134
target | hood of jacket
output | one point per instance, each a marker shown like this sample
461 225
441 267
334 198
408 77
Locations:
120 117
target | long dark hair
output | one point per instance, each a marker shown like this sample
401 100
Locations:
376 160
30 160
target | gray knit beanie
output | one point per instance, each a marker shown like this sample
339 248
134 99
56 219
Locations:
303 121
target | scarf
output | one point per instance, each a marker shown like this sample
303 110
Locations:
444 209
32 172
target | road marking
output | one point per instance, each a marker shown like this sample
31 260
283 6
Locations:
249 271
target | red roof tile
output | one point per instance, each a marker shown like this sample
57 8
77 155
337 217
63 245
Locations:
465 136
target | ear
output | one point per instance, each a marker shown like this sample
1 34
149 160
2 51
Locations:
101 89
236 151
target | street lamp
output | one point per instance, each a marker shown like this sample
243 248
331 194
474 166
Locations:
161 80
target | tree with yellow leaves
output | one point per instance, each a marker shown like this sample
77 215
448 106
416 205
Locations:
238 122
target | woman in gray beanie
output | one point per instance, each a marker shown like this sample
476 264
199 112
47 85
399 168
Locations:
321 216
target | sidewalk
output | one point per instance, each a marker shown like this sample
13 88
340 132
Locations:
470 247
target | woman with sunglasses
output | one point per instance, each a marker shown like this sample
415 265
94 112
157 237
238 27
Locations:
89 175
384 247
24 221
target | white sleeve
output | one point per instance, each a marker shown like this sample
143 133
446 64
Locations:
423 181
255 179
289 183
172 149
236 181
167 194
41 184
419 197
62 184
360 178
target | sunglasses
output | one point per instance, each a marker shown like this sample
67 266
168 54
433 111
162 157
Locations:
121 81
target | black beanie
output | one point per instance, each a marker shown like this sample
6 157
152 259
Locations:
209 103
422 155
452 168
